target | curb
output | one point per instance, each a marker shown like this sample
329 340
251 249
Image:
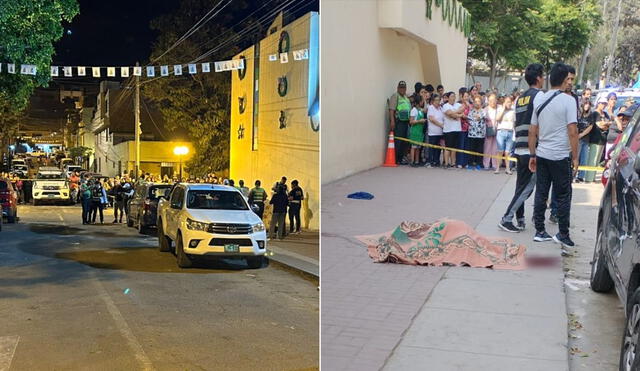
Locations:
295 261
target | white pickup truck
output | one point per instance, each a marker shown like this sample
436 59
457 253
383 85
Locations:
50 184
212 220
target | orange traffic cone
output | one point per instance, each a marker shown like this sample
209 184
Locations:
390 160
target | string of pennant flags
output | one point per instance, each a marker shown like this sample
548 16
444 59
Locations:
192 68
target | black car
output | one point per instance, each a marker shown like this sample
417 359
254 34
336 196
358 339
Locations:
143 206
616 257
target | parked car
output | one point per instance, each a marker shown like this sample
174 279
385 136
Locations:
51 184
143 207
616 258
210 219
8 201
70 169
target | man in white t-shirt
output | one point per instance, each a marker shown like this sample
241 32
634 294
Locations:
554 129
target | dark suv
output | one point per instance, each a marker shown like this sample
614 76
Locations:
616 257
143 206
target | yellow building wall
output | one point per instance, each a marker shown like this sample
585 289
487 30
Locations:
293 151
152 155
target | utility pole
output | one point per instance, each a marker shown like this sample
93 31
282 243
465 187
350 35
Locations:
137 118
614 42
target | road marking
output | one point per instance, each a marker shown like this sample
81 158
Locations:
8 345
124 329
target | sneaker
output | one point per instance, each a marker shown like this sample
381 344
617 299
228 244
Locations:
459 166
429 166
508 227
497 171
521 225
553 219
563 240
509 172
542 237
479 167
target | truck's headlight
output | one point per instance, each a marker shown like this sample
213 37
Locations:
258 227
196 225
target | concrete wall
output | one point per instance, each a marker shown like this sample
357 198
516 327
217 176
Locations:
362 62
292 151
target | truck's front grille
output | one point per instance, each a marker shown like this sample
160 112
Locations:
230 241
225 228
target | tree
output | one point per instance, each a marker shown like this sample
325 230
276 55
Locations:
503 33
28 30
80 152
566 26
626 57
199 103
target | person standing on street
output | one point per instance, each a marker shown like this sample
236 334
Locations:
98 201
434 131
453 112
244 190
118 201
554 129
258 196
477 131
85 198
279 202
295 204
490 142
525 179
504 137
399 109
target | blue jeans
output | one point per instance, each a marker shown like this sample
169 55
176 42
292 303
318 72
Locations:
463 158
505 140
583 156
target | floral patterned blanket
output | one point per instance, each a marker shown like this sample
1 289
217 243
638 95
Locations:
444 242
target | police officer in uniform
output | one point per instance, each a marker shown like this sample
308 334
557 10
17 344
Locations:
258 196
295 204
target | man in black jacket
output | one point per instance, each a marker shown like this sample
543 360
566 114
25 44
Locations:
279 202
526 180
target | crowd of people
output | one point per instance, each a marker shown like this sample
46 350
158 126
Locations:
548 133
484 123
96 194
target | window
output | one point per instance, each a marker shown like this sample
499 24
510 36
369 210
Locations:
176 198
215 200
156 192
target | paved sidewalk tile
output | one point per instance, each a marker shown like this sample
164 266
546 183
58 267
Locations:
368 307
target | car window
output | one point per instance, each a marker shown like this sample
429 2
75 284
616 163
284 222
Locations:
176 198
215 200
50 176
157 191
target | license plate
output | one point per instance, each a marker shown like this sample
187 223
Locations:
231 248
51 196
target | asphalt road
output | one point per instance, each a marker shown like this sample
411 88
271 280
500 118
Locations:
101 297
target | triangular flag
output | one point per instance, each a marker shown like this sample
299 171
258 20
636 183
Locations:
177 69
11 68
95 71
218 66
54 70
192 68
67 71
111 71
273 57
151 71
124 71
82 71
137 71
206 67
284 58
164 70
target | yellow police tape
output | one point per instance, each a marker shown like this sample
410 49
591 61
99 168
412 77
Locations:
585 168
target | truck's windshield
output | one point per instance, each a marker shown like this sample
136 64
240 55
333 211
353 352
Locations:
215 200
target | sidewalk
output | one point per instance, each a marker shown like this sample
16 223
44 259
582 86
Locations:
424 318
298 251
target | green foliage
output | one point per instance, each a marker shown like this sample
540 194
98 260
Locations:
513 33
28 29
626 65
200 103
84 152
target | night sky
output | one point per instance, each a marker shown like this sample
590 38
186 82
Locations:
117 33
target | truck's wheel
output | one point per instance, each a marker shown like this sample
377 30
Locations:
184 261
255 262
630 349
164 244
35 202
12 218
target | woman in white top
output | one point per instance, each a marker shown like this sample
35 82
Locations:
453 112
490 145
434 131
506 120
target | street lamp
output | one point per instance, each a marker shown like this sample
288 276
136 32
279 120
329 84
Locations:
180 151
